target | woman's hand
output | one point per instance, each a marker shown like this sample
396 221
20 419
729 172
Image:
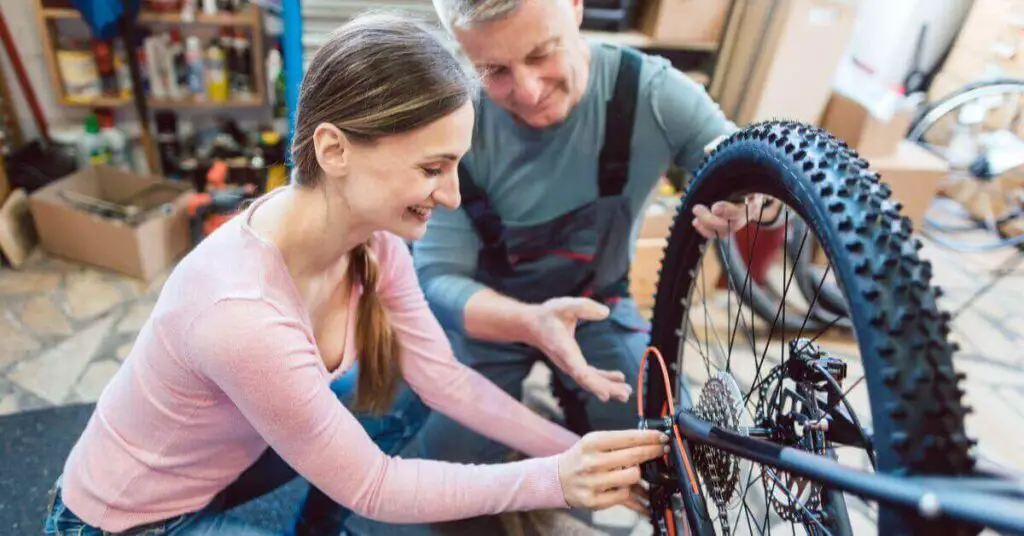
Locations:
603 468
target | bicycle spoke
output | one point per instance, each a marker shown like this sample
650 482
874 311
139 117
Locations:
782 304
813 300
797 502
746 281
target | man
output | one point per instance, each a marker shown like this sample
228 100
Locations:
569 143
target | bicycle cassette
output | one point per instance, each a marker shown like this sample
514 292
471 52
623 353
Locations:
721 404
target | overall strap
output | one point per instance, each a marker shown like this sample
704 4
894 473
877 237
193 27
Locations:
486 221
613 166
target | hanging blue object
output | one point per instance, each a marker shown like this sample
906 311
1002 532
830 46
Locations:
293 61
104 16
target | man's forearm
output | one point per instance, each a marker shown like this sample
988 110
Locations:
491 316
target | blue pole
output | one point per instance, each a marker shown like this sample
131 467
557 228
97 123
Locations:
292 45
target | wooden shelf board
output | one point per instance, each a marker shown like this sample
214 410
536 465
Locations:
639 40
114 102
244 18
699 77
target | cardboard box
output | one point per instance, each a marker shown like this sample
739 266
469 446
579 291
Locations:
915 175
684 21
142 248
992 27
779 58
973 64
869 135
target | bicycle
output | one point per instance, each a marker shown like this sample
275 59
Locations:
798 417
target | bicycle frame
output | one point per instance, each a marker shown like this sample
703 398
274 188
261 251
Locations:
983 499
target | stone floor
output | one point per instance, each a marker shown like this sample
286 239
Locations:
65 329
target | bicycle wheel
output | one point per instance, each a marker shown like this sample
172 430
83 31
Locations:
990 115
912 405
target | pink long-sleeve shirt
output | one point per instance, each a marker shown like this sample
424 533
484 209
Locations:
227 364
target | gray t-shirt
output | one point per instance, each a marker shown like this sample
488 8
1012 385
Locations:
533 175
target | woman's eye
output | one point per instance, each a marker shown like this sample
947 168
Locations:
433 172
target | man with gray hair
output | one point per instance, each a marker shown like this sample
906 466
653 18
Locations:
570 140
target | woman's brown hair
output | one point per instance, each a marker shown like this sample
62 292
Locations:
377 75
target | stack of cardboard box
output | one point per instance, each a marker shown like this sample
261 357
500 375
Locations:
990 45
873 120
689 22
778 58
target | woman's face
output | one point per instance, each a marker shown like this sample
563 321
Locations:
394 183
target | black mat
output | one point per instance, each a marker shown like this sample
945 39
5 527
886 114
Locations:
34 444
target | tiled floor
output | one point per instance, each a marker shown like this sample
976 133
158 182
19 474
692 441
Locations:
65 329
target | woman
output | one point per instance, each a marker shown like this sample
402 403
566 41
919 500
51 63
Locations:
254 326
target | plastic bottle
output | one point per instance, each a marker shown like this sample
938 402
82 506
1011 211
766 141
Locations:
115 140
216 72
178 68
124 77
274 67
194 58
92 149
104 53
243 83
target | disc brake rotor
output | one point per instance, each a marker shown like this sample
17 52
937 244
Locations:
791 497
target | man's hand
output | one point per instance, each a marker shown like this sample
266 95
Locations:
552 330
724 218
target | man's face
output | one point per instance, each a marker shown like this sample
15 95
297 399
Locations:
533 63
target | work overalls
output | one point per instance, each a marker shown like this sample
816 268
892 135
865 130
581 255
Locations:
584 252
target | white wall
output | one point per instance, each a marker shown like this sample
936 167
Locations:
886 31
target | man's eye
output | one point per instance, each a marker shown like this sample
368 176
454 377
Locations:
494 71
541 56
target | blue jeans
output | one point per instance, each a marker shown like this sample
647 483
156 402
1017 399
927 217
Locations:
318 513
615 343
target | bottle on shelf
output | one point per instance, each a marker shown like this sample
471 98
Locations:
92 148
194 59
216 72
178 68
124 77
241 78
115 140
104 54
275 81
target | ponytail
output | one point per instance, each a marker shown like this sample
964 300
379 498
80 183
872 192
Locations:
375 341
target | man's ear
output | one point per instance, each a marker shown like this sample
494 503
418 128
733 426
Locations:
577 10
331 148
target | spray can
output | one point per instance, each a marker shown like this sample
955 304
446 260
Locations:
216 72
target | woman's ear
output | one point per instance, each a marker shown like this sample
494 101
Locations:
331 147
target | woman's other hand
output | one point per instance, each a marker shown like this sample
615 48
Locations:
603 468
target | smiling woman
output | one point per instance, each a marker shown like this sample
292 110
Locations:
282 359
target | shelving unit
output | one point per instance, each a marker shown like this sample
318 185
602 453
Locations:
251 18
637 39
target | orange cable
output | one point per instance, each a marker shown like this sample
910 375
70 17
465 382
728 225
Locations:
671 407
